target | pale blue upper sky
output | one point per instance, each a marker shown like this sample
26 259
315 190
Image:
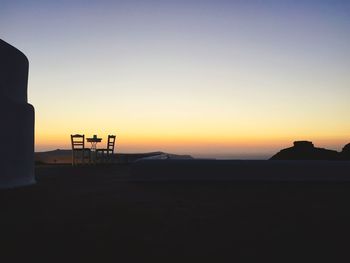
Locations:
238 70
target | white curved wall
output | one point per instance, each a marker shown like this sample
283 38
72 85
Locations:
17 120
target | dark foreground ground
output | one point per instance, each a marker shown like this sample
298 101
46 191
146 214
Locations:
97 213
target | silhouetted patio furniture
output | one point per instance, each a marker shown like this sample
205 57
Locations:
107 153
78 149
94 141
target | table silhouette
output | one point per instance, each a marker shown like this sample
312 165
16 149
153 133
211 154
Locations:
94 141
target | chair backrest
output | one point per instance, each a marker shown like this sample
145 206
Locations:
111 143
78 141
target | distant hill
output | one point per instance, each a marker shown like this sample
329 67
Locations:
65 156
345 154
305 150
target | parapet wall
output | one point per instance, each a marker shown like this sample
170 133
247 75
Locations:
17 120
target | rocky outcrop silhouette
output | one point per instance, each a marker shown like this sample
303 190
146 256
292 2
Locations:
345 153
305 150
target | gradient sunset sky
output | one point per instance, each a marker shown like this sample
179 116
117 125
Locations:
239 79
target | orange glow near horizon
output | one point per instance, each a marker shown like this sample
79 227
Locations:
193 135
195 128
194 144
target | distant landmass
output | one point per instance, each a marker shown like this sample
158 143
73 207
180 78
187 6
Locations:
65 156
305 150
301 150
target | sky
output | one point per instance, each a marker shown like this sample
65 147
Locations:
224 79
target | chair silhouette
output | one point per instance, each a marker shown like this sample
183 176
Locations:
79 150
108 152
